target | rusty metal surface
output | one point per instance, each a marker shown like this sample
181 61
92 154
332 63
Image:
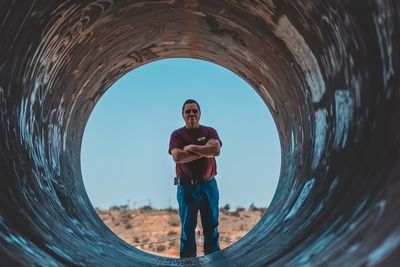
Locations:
328 71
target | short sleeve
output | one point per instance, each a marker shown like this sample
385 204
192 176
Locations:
214 135
175 142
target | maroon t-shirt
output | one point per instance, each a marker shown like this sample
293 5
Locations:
203 168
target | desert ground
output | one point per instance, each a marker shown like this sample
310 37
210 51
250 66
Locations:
158 231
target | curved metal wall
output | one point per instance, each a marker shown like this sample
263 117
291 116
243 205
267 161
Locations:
327 70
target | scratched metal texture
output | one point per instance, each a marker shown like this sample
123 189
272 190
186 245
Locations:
327 70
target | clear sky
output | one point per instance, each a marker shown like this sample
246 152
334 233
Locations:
124 152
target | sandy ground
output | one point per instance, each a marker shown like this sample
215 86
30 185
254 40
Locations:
158 231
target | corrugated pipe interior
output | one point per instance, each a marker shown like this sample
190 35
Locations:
327 70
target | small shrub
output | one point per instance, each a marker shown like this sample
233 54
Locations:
123 207
146 208
253 207
239 209
119 207
115 207
174 224
171 210
160 248
225 208
175 211
235 214
262 210
172 233
226 238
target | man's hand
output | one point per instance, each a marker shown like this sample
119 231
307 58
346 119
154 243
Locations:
213 142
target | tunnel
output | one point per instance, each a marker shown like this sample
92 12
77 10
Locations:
328 71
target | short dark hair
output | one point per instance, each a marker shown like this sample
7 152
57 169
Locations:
190 101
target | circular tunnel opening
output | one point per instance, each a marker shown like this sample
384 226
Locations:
327 72
129 176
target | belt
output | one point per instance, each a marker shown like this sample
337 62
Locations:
188 181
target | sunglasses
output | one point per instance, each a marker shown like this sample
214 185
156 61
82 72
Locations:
195 111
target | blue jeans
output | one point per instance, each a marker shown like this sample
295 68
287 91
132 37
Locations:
191 199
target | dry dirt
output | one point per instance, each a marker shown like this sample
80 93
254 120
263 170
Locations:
158 231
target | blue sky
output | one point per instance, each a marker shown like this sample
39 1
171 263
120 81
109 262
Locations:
124 154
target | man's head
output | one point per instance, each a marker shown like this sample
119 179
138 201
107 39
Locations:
191 113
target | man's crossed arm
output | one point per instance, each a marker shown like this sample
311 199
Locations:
192 152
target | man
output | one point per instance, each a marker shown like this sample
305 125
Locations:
194 148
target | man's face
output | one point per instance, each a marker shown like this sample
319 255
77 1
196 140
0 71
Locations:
191 115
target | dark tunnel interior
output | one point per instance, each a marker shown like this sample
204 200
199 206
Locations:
327 70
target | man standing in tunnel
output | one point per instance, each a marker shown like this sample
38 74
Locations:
194 148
